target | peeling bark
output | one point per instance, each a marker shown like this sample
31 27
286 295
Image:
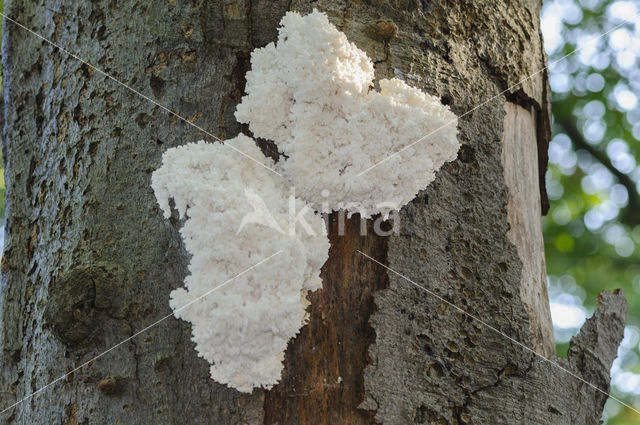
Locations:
89 260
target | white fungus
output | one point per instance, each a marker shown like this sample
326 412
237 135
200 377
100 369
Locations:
312 94
241 329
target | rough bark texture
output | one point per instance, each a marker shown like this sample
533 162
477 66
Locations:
89 260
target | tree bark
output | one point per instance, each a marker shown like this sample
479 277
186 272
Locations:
89 260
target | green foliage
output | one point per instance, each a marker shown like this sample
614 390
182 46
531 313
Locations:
592 232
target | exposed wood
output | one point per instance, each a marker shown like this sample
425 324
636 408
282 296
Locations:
323 382
519 160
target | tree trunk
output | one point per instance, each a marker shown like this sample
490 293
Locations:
89 260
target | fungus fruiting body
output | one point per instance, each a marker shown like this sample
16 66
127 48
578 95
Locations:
311 93
243 328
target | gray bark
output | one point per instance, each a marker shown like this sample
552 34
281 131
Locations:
89 260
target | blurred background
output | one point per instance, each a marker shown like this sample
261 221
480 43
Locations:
592 231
